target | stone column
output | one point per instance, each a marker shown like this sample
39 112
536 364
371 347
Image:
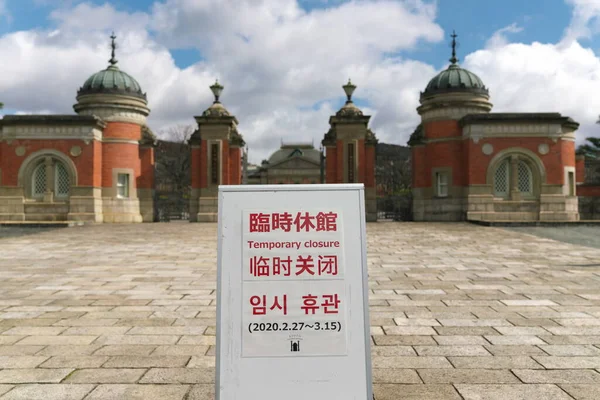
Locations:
515 194
49 194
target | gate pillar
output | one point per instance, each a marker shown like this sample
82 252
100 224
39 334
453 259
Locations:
216 158
350 151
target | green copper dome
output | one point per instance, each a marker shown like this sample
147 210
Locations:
112 81
454 79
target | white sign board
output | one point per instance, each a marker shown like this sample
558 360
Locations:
292 293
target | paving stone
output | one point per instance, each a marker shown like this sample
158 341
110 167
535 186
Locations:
397 340
410 362
574 362
390 351
460 340
180 350
583 392
393 375
571 350
496 362
521 330
105 375
451 351
138 392
74 362
146 362
512 392
514 350
57 340
20 350
39 375
5 388
127 350
33 330
21 361
137 339
415 392
515 340
453 376
408 330
179 375
49 392
557 376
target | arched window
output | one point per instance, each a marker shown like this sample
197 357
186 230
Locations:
525 178
513 172
38 183
50 172
501 179
61 180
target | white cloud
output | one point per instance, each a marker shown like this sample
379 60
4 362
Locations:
275 59
500 38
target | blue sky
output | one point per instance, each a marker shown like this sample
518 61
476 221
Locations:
474 21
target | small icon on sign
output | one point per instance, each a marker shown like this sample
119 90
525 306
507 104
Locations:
295 345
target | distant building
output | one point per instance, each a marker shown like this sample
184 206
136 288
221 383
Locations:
293 163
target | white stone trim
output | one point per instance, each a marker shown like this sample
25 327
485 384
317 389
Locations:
115 180
54 132
117 140
516 129
115 114
450 112
566 181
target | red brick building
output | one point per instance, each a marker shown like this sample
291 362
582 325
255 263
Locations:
216 158
96 165
471 164
350 151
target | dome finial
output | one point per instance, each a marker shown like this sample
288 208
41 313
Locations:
453 60
217 89
349 89
113 46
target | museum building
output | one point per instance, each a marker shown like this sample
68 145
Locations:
471 164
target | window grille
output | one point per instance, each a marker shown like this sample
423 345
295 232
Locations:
524 182
39 180
62 180
501 181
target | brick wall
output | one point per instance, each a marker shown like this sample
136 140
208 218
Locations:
235 165
560 152
331 165
369 166
123 130
10 163
146 178
119 155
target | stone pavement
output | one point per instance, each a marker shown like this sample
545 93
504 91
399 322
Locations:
457 312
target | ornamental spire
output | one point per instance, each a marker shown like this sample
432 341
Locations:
113 46
453 60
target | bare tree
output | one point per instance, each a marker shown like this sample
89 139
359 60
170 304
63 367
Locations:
173 171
